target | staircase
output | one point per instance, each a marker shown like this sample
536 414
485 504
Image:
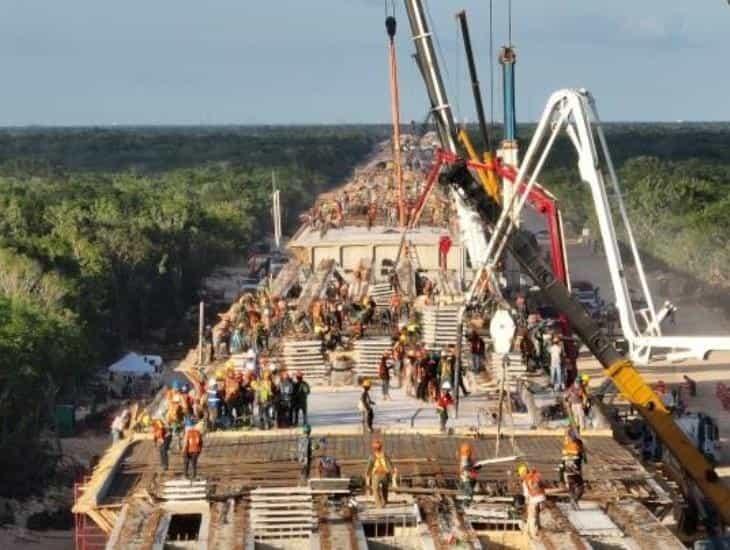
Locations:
440 327
184 489
381 293
448 287
369 351
286 278
282 513
304 355
514 369
315 285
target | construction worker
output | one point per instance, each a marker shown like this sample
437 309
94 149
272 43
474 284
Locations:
372 213
119 424
304 453
443 403
192 447
162 438
534 496
477 346
556 364
286 396
384 367
575 398
571 468
365 406
468 472
214 404
378 474
299 402
265 401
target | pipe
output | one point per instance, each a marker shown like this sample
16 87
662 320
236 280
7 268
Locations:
390 27
507 58
428 63
481 118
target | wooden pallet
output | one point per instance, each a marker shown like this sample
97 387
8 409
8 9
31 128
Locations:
282 512
183 489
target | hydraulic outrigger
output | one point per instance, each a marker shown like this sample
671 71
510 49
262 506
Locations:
476 209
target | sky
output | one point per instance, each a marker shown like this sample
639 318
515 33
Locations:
86 62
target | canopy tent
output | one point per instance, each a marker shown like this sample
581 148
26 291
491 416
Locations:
137 365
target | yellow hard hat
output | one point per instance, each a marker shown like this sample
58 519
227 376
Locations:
522 470
585 378
366 383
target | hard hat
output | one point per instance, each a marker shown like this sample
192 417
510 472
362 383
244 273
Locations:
185 388
522 470
377 445
585 378
446 386
465 449
366 383
250 354
273 367
212 382
307 429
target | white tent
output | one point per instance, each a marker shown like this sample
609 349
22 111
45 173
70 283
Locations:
137 365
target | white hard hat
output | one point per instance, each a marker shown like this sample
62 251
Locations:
446 386
212 382
251 354
273 367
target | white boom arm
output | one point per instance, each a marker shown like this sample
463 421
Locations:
575 111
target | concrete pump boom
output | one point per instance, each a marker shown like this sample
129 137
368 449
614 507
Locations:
476 209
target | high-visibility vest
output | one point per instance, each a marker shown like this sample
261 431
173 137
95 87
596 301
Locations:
572 448
380 464
443 402
193 442
158 430
533 482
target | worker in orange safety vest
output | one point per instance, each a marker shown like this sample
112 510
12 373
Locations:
468 472
534 492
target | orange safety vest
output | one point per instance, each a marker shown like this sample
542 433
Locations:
572 448
533 481
159 432
193 442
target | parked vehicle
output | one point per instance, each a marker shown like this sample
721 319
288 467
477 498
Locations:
589 297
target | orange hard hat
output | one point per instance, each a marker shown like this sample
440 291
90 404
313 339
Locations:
377 445
465 449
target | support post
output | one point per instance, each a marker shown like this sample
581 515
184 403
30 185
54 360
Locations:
390 27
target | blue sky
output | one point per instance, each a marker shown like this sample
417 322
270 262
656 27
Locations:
69 62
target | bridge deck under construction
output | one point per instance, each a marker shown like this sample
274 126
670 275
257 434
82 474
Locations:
232 463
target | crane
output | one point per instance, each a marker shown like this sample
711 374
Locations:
477 209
